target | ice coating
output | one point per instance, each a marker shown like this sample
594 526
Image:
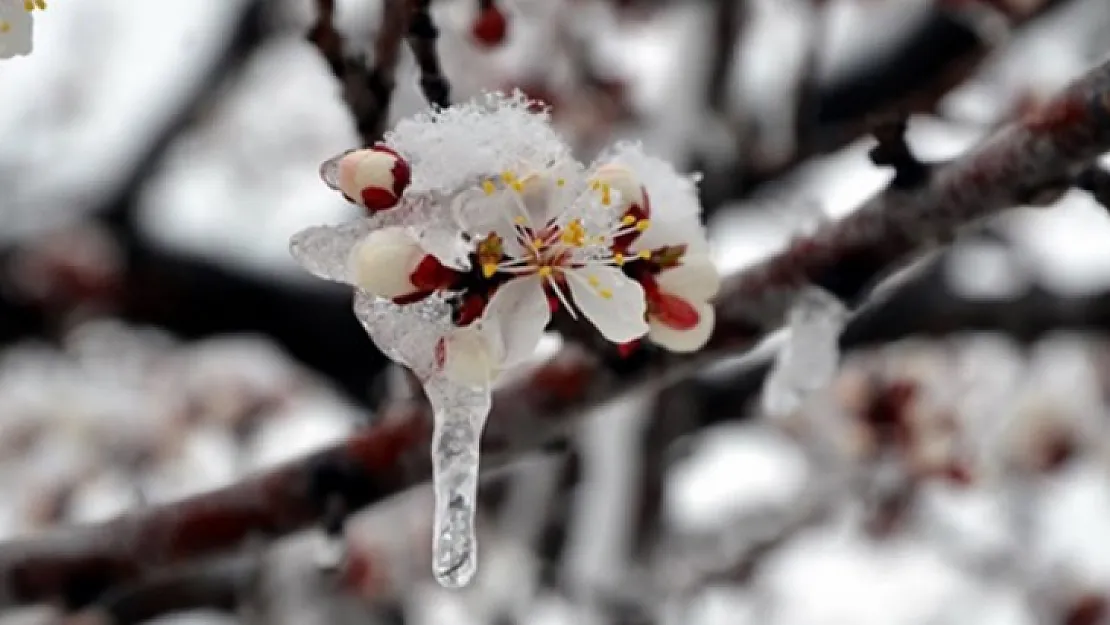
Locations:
409 334
324 250
809 359
460 415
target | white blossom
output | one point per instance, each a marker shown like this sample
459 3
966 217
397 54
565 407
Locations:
468 201
479 225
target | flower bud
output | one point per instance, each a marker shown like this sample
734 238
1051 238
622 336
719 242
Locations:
374 178
490 27
383 263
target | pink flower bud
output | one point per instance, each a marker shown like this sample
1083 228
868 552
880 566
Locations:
374 178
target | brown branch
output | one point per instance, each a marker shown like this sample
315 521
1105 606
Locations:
76 566
939 56
367 92
422 37
220 586
1096 181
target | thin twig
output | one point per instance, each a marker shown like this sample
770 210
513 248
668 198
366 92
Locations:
367 92
422 37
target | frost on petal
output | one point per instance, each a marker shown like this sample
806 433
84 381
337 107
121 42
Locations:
696 279
809 359
675 209
16 29
611 301
688 340
324 251
458 147
407 334
460 413
519 311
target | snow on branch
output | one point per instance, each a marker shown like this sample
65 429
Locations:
1044 151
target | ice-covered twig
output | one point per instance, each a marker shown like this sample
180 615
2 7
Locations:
1044 150
809 359
915 76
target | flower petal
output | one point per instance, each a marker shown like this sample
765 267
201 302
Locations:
676 210
611 301
16 26
519 311
685 341
469 356
696 279
324 251
479 214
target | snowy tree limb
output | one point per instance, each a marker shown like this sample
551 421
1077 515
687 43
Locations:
1045 149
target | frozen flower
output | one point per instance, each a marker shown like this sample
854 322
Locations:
16 24
374 178
480 225
482 203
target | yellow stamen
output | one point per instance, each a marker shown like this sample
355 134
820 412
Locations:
488 187
595 185
628 220
645 254
537 242
5 26
517 186
41 4
594 281
520 220
643 224
618 258
28 5
561 182
508 176
605 293
545 272
574 234
489 269
606 198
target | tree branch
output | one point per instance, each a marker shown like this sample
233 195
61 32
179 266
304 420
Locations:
367 92
76 566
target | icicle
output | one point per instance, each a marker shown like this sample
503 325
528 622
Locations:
809 359
460 414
